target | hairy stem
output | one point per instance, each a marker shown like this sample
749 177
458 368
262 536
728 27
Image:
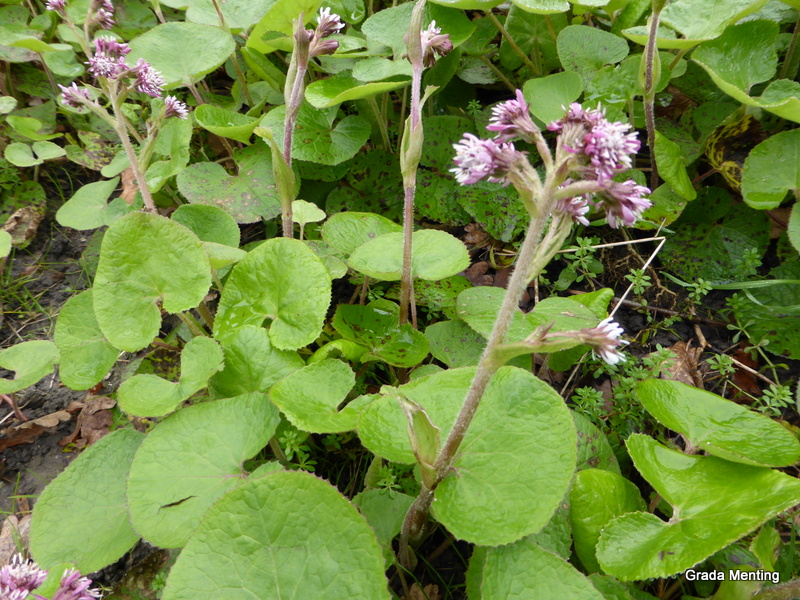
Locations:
120 125
650 56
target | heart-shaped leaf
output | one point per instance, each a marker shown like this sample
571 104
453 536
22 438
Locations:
547 96
82 516
86 355
718 426
151 396
521 439
209 223
88 208
30 360
192 458
182 52
145 259
771 170
23 155
282 280
248 197
586 49
348 230
435 255
642 546
275 554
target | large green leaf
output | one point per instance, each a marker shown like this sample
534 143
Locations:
252 364
585 49
718 426
182 52
82 516
88 208
209 223
86 355
771 170
435 255
283 536
282 280
335 90
376 327
348 230
146 259
148 395
30 360
316 138
313 407
249 196
547 96
596 497
515 462
705 519
696 20
455 343
526 570
192 458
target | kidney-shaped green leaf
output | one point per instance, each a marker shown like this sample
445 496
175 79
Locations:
87 207
282 280
434 255
82 516
86 355
145 259
335 90
718 426
514 464
151 396
715 502
284 536
30 360
771 170
192 458
346 231
182 52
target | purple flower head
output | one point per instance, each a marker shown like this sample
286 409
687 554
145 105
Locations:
19 578
175 108
109 58
434 42
624 202
609 147
148 80
104 18
57 6
576 208
73 96
577 116
320 47
75 587
605 339
512 119
328 23
478 159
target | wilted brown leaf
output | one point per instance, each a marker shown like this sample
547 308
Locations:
94 422
477 274
129 187
14 530
685 368
28 431
23 224
429 592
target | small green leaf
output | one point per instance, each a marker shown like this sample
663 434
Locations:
7 104
586 49
316 139
82 516
278 19
642 546
5 243
343 87
348 230
435 255
144 259
151 396
306 212
282 280
455 343
225 123
771 170
86 355
377 68
793 230
314 408
526 570
594 450
30 360
249 196
273 554
384 510
718 426
182 52
209 223
30 128
547 96
87 209
22 155
596 498
671 167
191 459
424 438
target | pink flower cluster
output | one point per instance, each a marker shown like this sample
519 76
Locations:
434 42
109 62
101 13
602 149
327 24
21 577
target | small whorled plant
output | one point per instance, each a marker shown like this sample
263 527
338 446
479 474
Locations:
590 150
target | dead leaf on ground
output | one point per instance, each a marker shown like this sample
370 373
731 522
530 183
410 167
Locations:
28 431
94 422
743 379
477 274
475 235
429 592
14 530
129 187
686 367
23 224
